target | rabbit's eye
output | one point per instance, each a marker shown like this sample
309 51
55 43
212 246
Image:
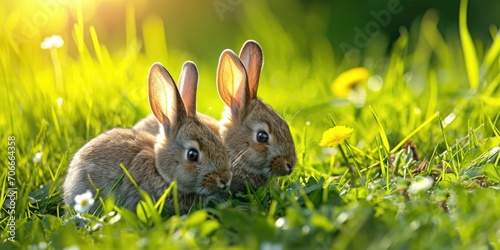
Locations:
262 137
192 155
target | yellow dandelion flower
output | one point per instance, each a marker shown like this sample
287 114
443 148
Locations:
348 80
336 135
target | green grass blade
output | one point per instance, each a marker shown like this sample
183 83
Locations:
130 26
383 167
97 46
425 123
160 204
381 131
127 173
433 93
471 61
492 86
496 131
493 52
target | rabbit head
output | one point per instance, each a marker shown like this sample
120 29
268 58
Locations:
257 139
187 150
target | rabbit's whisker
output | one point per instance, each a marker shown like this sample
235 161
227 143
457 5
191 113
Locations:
238 157
269 172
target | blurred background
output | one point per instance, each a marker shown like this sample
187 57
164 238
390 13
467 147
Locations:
306 45
393 68
204 27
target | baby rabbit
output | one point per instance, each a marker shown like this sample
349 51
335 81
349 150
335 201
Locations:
257 139
186 151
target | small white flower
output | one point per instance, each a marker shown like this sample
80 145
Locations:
280 222
74 247
42 245
308 123
59 102
84 202
142 243
420 184
38 157
271 246
52 42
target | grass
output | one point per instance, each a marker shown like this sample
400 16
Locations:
431 111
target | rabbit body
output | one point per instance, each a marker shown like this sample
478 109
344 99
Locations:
135 150
149 125
187 151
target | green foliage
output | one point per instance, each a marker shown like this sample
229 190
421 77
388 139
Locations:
421 169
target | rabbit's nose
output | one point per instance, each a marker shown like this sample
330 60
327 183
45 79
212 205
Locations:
224 181
224 185
288 167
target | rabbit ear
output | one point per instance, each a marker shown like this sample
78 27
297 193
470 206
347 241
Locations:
232 83
164 98
252 58
188 84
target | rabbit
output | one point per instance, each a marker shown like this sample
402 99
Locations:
186 151
258 140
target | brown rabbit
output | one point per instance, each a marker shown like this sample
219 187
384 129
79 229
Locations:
257 139
186 151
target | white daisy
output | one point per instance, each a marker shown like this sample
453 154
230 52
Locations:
38 157
59 102
52 42
84 202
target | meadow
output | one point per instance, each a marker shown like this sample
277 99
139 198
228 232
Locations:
421 169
